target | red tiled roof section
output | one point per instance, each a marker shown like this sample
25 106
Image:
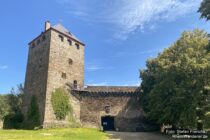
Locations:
118 89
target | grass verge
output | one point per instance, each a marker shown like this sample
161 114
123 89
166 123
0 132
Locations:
54 134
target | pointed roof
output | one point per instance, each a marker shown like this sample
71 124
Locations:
65 31
62 30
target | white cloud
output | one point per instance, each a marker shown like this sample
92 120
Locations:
3 67
93 68
98 84
139 14
96 68
148 52
132 83
129 16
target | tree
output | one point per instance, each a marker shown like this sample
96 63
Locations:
4 107
176 84
10 107
11 103
205 9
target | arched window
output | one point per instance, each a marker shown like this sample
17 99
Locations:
75 84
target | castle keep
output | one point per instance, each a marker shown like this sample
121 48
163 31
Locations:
56 59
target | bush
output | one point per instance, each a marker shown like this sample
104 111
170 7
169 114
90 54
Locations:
13 121
33 119
60 103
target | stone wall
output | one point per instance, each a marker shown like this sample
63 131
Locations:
52 64
61 72
125 108
36 73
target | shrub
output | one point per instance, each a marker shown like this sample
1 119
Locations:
33 113
13 121
60 103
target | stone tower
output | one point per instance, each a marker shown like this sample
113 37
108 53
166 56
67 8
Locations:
55 59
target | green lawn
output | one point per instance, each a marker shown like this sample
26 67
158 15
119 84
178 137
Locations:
53 134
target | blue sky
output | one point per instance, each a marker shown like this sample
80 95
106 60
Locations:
120 35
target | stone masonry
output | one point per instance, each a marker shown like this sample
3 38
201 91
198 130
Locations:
123 105
56 59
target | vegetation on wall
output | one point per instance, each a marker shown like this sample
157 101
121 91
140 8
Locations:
60 103
176 84
33 113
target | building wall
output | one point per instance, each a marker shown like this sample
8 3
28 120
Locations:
60 53
124 107
47 61
36 73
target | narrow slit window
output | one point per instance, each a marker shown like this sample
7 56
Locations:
77 45
63 75
70 42
38 42
43 38
61 38
70 61
75 84
33 45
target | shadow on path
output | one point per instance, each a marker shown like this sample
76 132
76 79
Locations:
136 136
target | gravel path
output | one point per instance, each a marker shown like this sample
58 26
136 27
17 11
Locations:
137 136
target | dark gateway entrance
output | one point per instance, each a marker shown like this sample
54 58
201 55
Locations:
107 123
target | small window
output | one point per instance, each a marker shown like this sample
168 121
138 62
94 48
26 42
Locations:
43 37
75 84
77 45
38 42
33 45
61 37
63 75
70 61
107 109
70 42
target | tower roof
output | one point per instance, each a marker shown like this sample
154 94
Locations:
59 27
